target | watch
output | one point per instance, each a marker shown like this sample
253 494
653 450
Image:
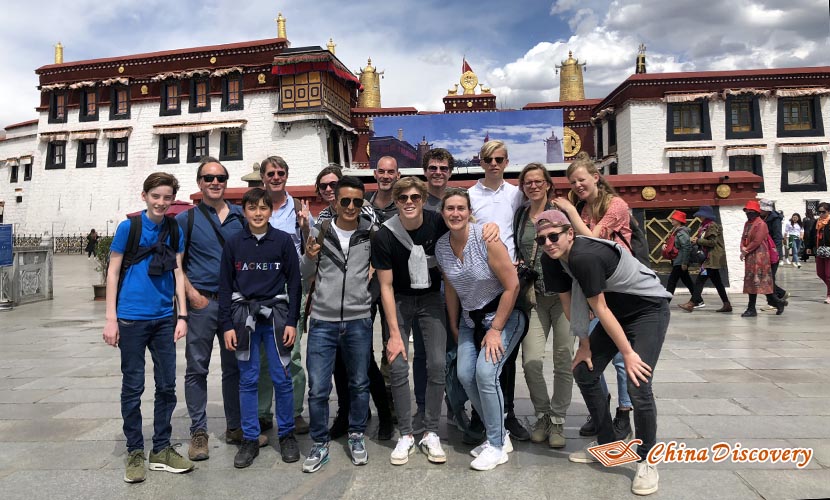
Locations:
183 316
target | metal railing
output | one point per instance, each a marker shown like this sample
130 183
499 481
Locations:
64 244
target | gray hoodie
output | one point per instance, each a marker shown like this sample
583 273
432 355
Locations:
341 291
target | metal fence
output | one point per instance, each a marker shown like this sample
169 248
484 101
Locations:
65 244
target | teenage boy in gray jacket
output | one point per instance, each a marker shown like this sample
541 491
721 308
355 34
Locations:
339 264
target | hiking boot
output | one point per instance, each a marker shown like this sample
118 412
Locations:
198 446
583 456
169 460
317 457
726 308
556 438
622 424
340 426
645 480
357 448
507 446
289 449
489 458
300 425
136 471
541 429
688 306
749 313
431 446
265 424
418 423
404 448
248 451
516 429
385 429
779 307
233 436
589 428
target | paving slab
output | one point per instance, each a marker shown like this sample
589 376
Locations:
789 484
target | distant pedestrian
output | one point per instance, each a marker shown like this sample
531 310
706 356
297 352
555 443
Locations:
710 238
91 243
822 243
794 231
755 252
678 247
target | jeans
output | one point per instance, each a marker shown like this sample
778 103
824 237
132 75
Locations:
298 379
263 338
428 310
623 401
795 248
157 336
354 338
646 334
677 272
480 377
419 366
549 313
714 275
202 328
377 387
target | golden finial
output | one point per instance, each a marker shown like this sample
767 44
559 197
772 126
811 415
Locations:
369 97
571 87
331 45
280 26
59 53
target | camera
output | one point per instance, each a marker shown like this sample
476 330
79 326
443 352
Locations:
526 274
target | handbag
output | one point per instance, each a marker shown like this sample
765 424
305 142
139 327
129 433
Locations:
697 255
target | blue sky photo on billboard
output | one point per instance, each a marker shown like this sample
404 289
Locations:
530 136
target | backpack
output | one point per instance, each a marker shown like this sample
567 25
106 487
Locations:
133 240
638 246
670 251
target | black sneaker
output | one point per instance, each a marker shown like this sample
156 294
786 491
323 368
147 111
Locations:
749 313
266 424
340 427
622 424
248 451
475 433
385 429
289 449
516 429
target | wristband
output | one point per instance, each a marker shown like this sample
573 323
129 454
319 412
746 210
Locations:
183 316
497 329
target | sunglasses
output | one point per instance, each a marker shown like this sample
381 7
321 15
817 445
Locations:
358 202
552 237
822 211
407 197
323 185
278 173
499 159
210 178
534 183
436 168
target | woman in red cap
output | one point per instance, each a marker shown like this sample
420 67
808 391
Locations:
756 257
678 247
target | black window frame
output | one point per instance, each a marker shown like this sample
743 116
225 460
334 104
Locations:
820 183
817 120
707 163
163 159
705 133
114 102
756 130
165 88
50 156
757 167
53 106
226 106
80 161
14 173
112 157
83 114
192 154
223 145
194 107
600 150
27 171
612 134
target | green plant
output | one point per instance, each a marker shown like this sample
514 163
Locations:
102 256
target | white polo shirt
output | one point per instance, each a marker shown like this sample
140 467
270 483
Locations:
497 206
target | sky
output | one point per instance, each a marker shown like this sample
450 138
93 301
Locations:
512 46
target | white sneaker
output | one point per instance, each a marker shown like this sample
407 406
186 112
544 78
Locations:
489 458
645 480
508 447
431 446
700 306
404 448
583 456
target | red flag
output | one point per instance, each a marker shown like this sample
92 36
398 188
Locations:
465 67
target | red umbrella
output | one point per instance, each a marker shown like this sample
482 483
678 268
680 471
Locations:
175 209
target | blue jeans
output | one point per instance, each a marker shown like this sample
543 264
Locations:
249 380
623 400
135 337
480 377
795 248
355 341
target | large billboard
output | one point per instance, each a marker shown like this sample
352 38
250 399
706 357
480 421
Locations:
530 136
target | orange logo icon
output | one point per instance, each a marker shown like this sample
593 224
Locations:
616 453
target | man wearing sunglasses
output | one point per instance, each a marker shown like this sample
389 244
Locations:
205 229
495 200
438 165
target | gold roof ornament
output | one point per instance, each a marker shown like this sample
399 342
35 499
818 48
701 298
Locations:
571 87
370 79
454 90
641 60
59 53
331 45
280 26
469 81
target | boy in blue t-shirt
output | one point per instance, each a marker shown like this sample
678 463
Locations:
140 316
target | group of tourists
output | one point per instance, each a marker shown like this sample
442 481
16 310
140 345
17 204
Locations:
468 277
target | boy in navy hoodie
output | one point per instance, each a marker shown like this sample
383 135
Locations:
257 265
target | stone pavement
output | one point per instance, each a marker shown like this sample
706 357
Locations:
762 382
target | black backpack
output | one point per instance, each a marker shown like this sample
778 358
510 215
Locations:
638 246
133 240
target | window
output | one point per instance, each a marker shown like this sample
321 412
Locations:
57 108
169 148
197 147
56 155
27 171
120 103
799 117
170 104
612 134
232 93
802 172
600 152
231 145
751 163
743 117
685 165
13 170
86 154
89 106
688 121
199 96
118 153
